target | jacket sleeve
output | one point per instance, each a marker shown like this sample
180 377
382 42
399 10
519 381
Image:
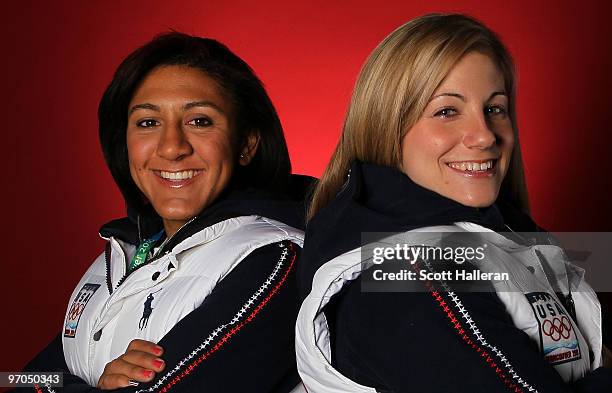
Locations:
51 359
240 339
437 341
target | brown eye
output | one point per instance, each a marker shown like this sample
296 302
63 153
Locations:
200 122
147 123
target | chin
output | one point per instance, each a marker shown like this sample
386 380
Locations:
477 199
176 214
177 208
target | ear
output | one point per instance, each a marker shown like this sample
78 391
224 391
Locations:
249 149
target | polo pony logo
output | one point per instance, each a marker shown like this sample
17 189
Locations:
148 310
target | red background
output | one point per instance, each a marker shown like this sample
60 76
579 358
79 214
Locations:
59 56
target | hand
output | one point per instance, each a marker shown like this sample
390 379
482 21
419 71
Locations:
139 363
606 357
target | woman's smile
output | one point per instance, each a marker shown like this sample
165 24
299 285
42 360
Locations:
178 179
474 168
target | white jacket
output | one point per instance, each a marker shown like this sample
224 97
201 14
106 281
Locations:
102 317
528 297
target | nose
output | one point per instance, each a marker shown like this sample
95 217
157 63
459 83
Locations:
173 143
478 133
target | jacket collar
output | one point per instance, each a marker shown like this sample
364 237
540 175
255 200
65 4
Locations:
379 199
393 195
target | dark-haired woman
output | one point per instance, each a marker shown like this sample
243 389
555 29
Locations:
430 151
195 290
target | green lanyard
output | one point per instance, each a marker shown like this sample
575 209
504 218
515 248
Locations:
140 258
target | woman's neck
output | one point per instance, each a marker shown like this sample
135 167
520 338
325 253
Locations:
172 226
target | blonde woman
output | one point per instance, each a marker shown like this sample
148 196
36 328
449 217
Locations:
430 144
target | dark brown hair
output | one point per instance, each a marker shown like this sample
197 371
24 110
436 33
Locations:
253 110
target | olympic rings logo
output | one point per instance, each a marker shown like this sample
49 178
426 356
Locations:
558 328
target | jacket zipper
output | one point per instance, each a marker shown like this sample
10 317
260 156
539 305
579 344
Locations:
157 255
107 260
566 300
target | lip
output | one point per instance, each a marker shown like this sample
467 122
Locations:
475 174
177 183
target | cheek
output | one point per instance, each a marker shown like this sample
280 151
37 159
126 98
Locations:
139 148
423 151
139 151
134 149
504 132
507 144
417 157
223 151
510 140
439 144
217 152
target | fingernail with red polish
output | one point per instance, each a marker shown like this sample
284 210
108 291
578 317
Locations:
158 350
158 363
147 373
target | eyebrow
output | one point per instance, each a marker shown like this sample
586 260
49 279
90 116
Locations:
186 107
197 104
144 106
462 98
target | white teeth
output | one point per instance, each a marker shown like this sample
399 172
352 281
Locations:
472 166
184 175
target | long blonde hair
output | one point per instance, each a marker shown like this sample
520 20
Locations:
393 89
